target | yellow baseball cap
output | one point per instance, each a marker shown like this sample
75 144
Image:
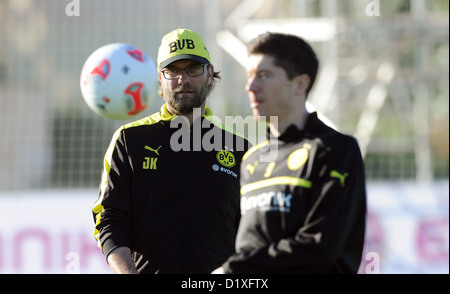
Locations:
182 44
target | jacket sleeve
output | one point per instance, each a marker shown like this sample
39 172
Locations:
332 235
112 210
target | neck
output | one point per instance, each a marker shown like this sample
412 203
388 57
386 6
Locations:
195 114
297 119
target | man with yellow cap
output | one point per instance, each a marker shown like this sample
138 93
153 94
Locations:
183 51
169 193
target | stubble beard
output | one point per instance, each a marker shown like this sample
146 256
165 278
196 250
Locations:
183 105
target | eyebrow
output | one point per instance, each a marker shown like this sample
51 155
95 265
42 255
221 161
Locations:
188 65
259 71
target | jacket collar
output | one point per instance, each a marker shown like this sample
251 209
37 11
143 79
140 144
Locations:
293 133
167 116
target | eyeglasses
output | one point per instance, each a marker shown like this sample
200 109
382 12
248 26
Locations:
192 71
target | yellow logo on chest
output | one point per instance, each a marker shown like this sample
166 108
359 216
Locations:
226 158
297 158
149 163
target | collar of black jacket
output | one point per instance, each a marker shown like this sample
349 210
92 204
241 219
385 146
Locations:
292 133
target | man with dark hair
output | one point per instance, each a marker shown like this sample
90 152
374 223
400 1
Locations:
294 55
305 211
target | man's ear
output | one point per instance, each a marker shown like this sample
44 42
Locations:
159 77
210 73
302 83
160 93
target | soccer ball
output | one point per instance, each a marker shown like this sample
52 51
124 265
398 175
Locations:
118 81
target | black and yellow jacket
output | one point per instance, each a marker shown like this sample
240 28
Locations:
174 206
303 206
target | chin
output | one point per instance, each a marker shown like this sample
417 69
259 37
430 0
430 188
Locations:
261 118
258 115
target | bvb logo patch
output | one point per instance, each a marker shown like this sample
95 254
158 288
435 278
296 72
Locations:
226 158
297 158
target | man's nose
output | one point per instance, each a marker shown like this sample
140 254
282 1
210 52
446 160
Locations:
183 77
251 85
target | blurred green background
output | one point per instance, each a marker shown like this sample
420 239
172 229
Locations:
383 77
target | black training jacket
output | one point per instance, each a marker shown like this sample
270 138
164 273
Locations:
175 207
303 207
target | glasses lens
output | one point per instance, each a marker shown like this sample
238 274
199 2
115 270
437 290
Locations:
195 70
192 71
171 73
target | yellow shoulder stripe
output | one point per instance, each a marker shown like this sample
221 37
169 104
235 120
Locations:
276 181
218 123
152 119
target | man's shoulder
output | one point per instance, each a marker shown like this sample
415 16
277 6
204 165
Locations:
331 135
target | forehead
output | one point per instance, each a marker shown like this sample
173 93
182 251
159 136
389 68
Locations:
182 63
260 62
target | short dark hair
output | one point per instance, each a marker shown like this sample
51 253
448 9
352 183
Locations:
290 52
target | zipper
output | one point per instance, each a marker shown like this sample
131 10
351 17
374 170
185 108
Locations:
186 203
